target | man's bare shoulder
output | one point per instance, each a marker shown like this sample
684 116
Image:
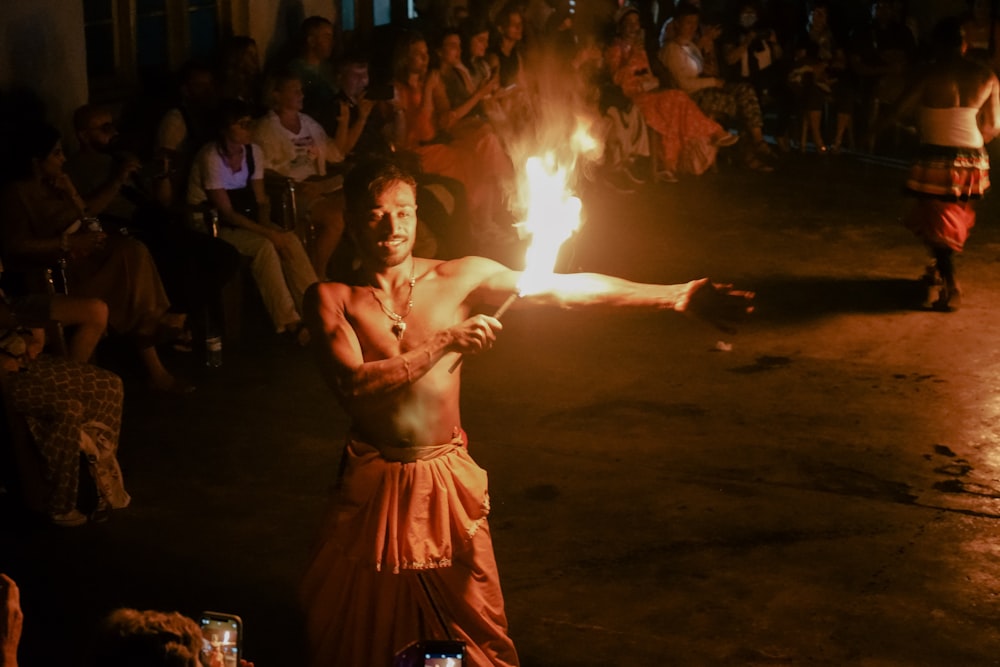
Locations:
976 72
469 267
326 297
330 290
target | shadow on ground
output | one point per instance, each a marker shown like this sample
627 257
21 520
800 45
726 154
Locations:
791 299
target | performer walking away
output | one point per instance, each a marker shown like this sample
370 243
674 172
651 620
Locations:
958 108
406 553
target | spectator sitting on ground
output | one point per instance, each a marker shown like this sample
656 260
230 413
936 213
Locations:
317 73
295 146
194 267
68 406
43 220
228 175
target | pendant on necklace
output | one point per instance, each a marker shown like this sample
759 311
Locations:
399 328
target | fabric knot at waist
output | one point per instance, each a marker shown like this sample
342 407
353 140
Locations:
409 453
408 508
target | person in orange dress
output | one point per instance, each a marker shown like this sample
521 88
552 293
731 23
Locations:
689 140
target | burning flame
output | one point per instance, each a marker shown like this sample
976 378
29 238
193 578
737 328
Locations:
553 212
553 216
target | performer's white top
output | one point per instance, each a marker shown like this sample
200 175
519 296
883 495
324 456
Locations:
955 126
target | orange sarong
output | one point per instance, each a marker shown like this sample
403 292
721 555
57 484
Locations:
406 526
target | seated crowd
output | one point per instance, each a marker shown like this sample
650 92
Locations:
245 169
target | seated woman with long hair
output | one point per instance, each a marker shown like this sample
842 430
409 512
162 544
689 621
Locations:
43 221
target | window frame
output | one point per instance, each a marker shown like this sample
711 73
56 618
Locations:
125 81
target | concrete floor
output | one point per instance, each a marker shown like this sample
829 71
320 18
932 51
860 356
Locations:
825 493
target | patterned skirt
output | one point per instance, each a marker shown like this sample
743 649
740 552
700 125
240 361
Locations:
949 173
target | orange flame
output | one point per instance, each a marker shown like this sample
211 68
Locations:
553 216
553 212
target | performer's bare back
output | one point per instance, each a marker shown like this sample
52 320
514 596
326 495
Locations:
960 83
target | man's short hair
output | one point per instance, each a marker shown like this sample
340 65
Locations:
150 638
312 24
367 181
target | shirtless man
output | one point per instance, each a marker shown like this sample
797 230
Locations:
958 105
406 553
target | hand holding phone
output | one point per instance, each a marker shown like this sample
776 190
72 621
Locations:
222 639
431 653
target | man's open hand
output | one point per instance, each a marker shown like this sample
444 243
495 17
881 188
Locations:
719 305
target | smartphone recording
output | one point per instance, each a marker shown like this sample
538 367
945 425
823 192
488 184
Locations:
221 639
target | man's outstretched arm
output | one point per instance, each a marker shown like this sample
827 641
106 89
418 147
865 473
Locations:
717 304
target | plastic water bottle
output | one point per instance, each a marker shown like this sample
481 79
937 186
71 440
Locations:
213 339
213 351
213 223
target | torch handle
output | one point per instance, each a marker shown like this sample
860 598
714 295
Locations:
497 315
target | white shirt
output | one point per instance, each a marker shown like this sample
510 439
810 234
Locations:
211 171
295 155
686 65
172 132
